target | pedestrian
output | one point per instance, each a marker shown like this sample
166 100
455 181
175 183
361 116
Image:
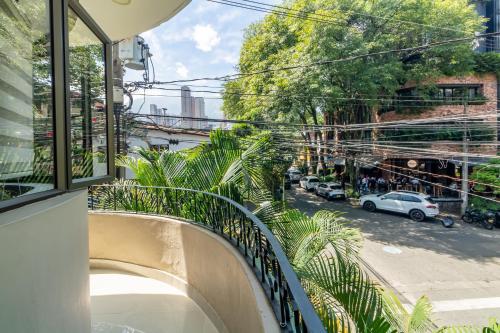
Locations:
415 183
381 184
372 182
364 184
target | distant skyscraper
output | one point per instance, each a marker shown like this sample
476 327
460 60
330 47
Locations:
186 106
199 112
155 114
192 107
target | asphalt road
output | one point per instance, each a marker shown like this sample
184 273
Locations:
457 268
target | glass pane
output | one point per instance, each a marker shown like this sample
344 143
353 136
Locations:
26 108
87 100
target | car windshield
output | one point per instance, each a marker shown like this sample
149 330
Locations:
313 180
335 187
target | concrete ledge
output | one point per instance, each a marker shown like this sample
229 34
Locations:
211 270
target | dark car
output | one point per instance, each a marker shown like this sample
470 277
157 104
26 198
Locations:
288 182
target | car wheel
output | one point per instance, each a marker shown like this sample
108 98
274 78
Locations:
417 215
369 206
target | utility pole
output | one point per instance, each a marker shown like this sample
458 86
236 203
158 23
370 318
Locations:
465 163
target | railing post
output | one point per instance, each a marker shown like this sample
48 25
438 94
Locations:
157 191
262 258
114 198
92 198
176 204
136 200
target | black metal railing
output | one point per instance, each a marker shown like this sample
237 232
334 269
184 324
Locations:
235 224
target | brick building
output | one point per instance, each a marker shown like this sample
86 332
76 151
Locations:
434 149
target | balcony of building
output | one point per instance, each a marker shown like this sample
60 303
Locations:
178 260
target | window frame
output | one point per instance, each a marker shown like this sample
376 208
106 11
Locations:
410 198
107 43
397 196
61 120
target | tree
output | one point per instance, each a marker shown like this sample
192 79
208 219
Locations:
346 91
486 178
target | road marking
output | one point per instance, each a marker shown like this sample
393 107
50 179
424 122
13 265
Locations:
462 304
392 250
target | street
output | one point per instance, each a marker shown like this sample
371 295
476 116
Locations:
457 268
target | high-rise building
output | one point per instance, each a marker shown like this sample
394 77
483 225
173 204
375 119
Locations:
157 114
186 106
199 112
192 107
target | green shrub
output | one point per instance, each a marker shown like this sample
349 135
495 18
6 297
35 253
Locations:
483 204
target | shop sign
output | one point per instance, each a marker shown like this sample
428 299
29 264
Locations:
412 163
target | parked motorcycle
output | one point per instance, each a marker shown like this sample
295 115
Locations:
475 216
494 217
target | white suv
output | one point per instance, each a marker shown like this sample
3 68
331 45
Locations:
417 205
295 175
330 191
309 183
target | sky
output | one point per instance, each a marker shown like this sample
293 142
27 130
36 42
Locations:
203 40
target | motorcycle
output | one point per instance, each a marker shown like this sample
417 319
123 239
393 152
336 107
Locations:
494 217
475 216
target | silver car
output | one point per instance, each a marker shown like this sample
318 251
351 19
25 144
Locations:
330 191
417 205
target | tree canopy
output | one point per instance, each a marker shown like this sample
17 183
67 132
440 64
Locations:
348 89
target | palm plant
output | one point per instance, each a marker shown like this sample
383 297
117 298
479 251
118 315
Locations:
418 321
223 166
323 251
493 327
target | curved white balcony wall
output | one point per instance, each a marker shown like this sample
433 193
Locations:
125 18
224 284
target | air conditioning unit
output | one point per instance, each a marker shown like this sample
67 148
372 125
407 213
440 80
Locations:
133 52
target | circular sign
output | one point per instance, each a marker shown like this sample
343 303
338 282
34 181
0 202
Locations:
412 163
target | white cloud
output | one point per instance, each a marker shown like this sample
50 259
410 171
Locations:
205 37
181 70
178 35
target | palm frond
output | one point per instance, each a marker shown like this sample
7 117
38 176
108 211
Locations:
346 291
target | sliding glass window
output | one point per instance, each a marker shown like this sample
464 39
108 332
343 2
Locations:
26 99
88 110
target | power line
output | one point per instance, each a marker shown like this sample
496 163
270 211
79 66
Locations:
331 61
387 18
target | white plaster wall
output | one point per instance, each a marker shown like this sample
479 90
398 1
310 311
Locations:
44 274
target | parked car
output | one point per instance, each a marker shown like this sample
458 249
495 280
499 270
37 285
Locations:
295 175
309 183
330 191
417 205
288 181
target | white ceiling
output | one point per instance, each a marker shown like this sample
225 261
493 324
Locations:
122 21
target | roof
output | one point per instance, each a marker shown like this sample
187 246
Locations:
124 18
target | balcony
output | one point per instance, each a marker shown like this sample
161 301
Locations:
203 261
